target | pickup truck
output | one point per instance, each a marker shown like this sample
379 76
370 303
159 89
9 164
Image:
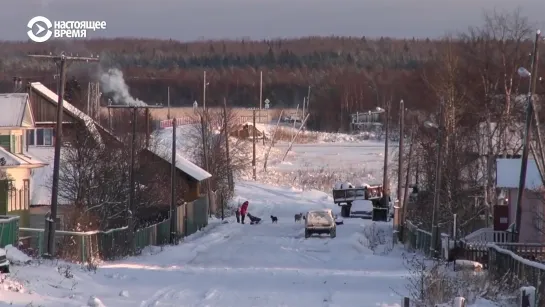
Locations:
345 194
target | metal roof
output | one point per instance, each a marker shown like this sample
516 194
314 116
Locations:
13 108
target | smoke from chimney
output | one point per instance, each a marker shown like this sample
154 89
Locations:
112 82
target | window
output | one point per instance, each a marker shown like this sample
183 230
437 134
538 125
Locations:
5 142
30 137
40 137
48 137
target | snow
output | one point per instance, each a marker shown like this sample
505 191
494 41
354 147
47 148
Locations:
508 171
362 207
233 265
15 160
230 264
182 163
40 190
15 256
468 264
13 108
72 110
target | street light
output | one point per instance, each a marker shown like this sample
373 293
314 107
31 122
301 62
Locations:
523 72
380 110
430 125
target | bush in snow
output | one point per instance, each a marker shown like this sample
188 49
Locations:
431 282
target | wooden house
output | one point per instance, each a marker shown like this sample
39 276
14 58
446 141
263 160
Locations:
532 228
16 163
41 140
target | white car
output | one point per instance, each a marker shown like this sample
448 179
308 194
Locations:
4 262
319 222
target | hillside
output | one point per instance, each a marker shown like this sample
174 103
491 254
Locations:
345 74
330 65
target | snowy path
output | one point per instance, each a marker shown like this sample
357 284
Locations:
268 264
251 265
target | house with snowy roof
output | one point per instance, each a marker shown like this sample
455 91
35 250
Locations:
532 228
16 163
41 142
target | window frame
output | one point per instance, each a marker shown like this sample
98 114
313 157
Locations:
41 137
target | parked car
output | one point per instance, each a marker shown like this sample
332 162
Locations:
319 222
4 262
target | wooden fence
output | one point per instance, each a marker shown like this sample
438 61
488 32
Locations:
500 255
113 244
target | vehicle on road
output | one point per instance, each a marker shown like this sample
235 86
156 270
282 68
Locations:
320 222
345 194
4 262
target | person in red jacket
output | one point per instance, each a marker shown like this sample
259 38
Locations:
243 211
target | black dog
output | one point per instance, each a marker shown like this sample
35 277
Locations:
253 219
274 219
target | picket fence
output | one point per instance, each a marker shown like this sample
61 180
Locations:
82 247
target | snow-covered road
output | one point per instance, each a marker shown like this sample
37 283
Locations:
268 264
248 265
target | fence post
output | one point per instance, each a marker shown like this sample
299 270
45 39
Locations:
406 302
83 255
459 302
527 297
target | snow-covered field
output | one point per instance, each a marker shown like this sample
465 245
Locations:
243 265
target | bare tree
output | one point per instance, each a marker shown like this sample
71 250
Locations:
94 176
220 166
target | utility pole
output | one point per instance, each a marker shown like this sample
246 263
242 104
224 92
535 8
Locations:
253 148
526 140
168 102
204 131
407 177
437 187
308 99
173 215
385 179
400 161
132 205
61 61
260 90
204 90
226 132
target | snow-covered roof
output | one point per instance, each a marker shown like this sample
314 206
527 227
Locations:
182 163
15 110
508 173
69 108
40 191
12 160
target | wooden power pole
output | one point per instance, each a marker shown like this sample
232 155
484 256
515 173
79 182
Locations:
173 215
253 148
226 132
400 161
204 131
61 61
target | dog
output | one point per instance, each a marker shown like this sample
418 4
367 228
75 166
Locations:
274 219
298 217
253 219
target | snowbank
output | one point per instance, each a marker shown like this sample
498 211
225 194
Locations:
16 256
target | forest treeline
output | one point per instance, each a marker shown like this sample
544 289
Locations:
345 74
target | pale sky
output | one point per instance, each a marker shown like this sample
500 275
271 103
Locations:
261 19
